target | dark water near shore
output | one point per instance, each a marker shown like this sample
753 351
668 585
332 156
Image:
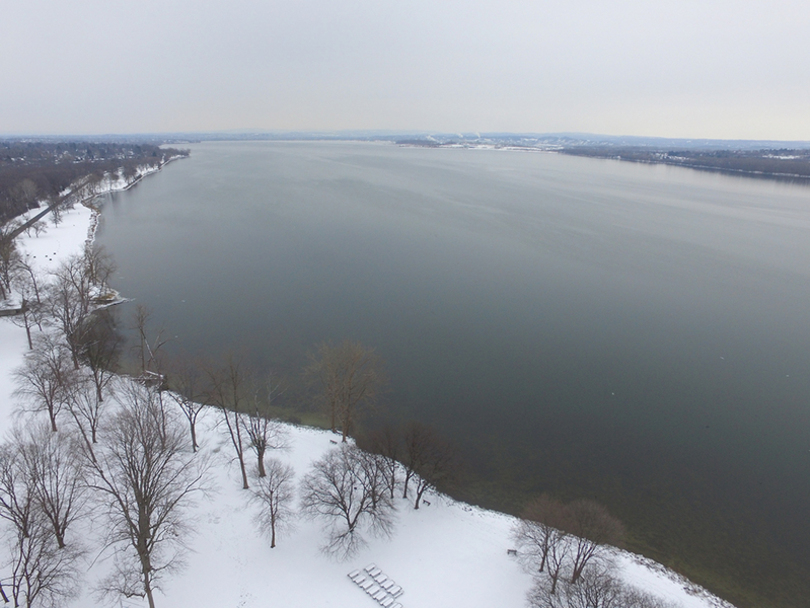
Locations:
638 333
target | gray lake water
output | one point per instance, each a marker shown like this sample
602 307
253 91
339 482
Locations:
633 330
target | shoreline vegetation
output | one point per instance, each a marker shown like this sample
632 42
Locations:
57 174
782 164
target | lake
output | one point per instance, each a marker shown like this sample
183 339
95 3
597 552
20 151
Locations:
636 333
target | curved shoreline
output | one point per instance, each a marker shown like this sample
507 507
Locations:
87 200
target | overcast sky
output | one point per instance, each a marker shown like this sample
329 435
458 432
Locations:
708 68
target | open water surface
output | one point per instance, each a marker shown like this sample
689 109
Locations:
636 332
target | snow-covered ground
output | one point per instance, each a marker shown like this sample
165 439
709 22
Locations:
444 555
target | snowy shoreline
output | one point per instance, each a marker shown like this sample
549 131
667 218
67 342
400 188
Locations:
445 554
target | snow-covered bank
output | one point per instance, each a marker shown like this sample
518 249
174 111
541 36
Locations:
444 555
85 190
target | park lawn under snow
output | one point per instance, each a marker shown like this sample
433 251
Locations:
443 555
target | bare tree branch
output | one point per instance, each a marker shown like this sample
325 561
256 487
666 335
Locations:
274 493
349 377
429 460
46 377
227 386
262 432
186 381
350 503
148 478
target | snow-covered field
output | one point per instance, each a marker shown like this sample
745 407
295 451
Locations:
444 555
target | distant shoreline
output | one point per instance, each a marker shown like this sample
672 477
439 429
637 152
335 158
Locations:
728 162
691 164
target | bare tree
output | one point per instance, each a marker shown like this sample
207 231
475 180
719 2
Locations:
86 410
16 499
429 460
186 381
596 588
69 301
28 281
148 478
274 493
385 442
101 349
592 527
9 257
349 376
552 534
41 574
540 527
46 377
39 571
149 350
25 283
338 491
26 319
99 264
375 477
263 433
56 212
51 462
39 228
227 385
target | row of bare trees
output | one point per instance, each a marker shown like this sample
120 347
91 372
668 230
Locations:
131 457
146 476
554 537
567 547
353 489
139 466
41 496
93 443
139 474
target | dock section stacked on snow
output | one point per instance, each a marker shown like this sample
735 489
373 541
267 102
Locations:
378 586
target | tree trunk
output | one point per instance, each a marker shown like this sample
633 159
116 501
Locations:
147 587
346 422
241 455
194 445
420 489
146 563
27 324
408 475
260 455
